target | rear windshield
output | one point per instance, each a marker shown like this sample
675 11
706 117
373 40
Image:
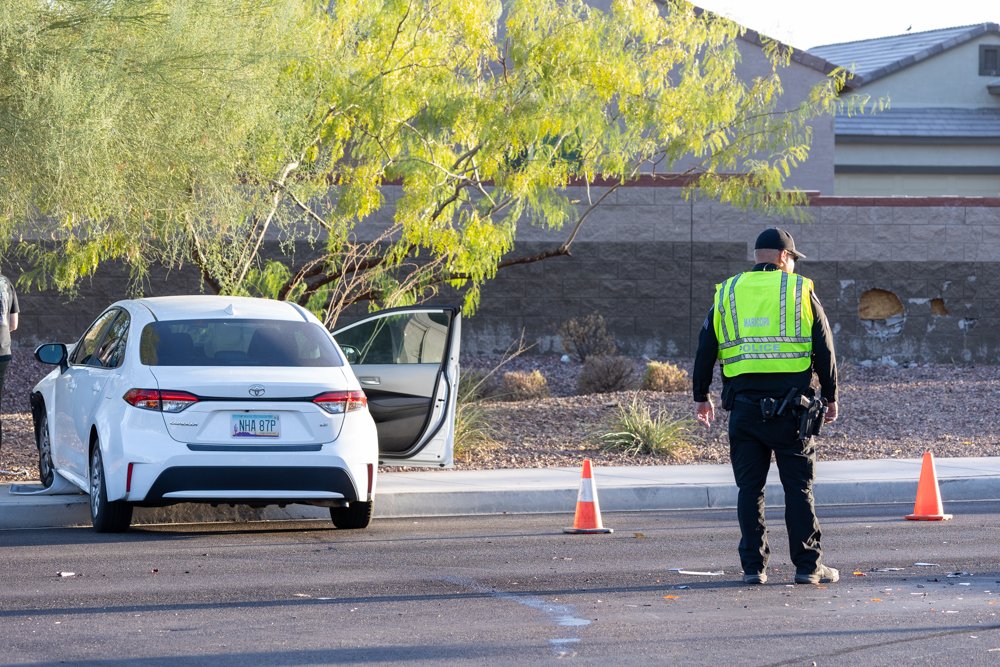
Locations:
236 343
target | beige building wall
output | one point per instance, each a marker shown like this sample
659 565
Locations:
916 185
948 79
900 166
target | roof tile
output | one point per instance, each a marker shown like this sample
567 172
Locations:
872 59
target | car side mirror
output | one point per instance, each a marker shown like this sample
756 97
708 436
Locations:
54 354
352 353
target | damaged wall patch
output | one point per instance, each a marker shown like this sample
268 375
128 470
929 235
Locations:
881 313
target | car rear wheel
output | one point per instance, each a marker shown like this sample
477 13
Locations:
46 472
356 515
107 517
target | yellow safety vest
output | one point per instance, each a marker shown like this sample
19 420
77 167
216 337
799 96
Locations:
763 322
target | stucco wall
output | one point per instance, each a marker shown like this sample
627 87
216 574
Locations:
962 185
797 80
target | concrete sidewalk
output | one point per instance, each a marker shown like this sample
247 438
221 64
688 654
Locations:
452 492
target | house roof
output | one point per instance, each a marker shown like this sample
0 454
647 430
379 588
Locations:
922 124
872 59
804 58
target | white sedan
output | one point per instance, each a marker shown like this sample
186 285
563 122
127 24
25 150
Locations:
234 400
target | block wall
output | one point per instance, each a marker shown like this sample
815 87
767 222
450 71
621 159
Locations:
650 260
909 279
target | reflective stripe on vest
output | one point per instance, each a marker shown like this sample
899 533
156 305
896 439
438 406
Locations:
763 322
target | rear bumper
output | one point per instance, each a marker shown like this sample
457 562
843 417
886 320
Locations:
252 485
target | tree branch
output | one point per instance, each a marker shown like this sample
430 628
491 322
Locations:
202 262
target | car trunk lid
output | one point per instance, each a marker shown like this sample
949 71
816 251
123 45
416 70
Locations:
252 406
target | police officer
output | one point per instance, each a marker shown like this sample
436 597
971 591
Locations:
9 314
769 332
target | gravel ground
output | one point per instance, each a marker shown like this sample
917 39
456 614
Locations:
885 412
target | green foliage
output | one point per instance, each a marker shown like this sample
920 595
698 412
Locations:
587 337
191 131
664 376
523 386
605 374
635 430
133 130
474 433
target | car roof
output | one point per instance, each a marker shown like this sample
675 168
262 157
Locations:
205 306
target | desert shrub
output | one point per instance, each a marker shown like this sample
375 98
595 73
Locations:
478 384
635 429
587 337
664 376
524 386
604 374
473 431
473 428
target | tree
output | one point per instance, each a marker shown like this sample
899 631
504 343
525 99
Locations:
481 113
126 127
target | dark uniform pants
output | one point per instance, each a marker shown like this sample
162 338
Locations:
751 441
3 371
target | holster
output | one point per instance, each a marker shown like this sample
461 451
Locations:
728 397
813 411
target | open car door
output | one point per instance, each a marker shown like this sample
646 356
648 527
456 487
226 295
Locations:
407 362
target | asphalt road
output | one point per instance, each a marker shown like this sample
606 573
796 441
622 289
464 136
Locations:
503 590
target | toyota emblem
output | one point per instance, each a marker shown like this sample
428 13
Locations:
256 390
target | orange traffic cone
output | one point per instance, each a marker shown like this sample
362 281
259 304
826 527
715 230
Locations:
928 505
588 510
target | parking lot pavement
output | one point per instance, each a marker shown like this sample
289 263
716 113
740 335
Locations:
529 491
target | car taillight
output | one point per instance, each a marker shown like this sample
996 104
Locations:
161 401
339 402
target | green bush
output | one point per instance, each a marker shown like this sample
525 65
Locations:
636 430
524 386
664 376
603 374
473 429
587 337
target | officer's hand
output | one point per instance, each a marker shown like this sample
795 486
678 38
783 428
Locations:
831 413
705 412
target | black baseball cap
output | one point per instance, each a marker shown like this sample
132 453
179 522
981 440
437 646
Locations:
777 239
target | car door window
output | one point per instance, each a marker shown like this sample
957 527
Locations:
407 338
112 348
85 353
406 360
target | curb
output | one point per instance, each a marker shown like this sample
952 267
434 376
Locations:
451 493
676 497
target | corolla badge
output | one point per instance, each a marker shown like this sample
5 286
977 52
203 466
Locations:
256 390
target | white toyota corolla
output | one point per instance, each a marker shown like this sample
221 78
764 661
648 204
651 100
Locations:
233 400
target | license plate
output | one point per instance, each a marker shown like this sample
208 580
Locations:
256 426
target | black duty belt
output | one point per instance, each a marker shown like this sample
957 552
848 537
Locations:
752 401
770 406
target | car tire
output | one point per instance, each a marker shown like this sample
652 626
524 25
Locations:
43 440
106 516
354 516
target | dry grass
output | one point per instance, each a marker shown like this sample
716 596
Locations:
664 376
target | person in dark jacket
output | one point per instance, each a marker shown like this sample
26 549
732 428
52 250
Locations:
8 322
768 331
